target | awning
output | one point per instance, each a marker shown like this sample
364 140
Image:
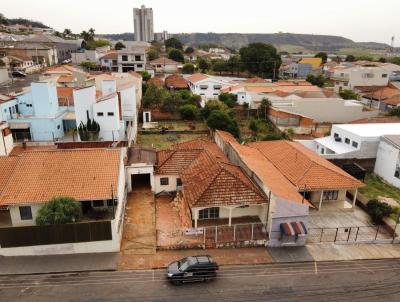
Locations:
293 228
14 125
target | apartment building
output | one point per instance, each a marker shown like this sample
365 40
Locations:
143 24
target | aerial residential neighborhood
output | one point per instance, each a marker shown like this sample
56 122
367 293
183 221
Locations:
146 158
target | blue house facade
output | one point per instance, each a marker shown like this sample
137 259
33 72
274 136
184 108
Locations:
39 116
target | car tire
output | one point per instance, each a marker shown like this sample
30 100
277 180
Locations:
177 282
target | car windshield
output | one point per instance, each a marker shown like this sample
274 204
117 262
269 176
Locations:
184 264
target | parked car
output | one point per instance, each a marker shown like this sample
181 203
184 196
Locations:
192 269
18 74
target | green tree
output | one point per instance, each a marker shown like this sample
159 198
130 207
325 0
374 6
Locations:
59 210
188 68
382 60
89 65
91 33
350 58
348 94
395 111
229 99
189 112
323 56
173 43
119 46
220 66
264 108
261 59
85 35
154 96
176 55
184 94
212 105
253 126
171 103
378 210
93 44
145 75
194 99
235 64
222 121
203 65
316 80
189 50
153 54
395 60
67 33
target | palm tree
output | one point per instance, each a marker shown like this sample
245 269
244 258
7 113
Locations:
91 33
67 33
85 35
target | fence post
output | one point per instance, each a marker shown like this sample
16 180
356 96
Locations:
377 232
357 234
337 229
252 231
322 233
234 232
216 234
348 236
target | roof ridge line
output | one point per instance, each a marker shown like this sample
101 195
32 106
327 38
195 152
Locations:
209 184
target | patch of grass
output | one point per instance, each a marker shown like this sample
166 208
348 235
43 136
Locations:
182 125
376 188
164 141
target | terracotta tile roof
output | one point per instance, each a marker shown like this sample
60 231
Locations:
377 119
7 167
22 58
156 81
280 93
111 55
164 61
176 81
383 93
65 79
304 168
394 100
255 80
207 176
65 96
5 98
62 69
293 83
84 174
197 77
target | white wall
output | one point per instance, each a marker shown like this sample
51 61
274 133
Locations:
171 183
387 160
139 169
111 127
6 142
84 99
16 217
4 75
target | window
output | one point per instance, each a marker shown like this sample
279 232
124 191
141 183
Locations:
58 126
28 105
125 58
384 75
347 140
105 61
335 135
139 65
178 182
203 87
330 195
164 181
397 172
25 213
100 114
210 213
345 84
98 203
110 113
354 144
322 151
138 58
217 87
110 202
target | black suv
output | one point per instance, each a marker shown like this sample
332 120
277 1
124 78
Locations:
192 269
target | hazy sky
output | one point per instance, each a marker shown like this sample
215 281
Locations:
360 20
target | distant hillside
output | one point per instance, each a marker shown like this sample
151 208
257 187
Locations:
235 40
26 22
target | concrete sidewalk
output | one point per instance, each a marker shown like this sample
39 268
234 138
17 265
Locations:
58 263
334 252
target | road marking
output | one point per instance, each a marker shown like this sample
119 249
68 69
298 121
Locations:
316 267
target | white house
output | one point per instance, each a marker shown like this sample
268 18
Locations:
387 163
350 77
354 140
92 55
208 87
54 173
164 65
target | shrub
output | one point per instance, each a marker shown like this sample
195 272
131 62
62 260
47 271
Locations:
59 210
188 68
222 121
378 210
189 112
228 99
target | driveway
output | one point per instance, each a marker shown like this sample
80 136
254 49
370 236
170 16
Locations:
139 236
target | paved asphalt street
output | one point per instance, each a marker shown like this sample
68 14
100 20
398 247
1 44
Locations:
369 280
18 83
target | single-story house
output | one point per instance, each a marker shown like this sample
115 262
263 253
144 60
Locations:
164 65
